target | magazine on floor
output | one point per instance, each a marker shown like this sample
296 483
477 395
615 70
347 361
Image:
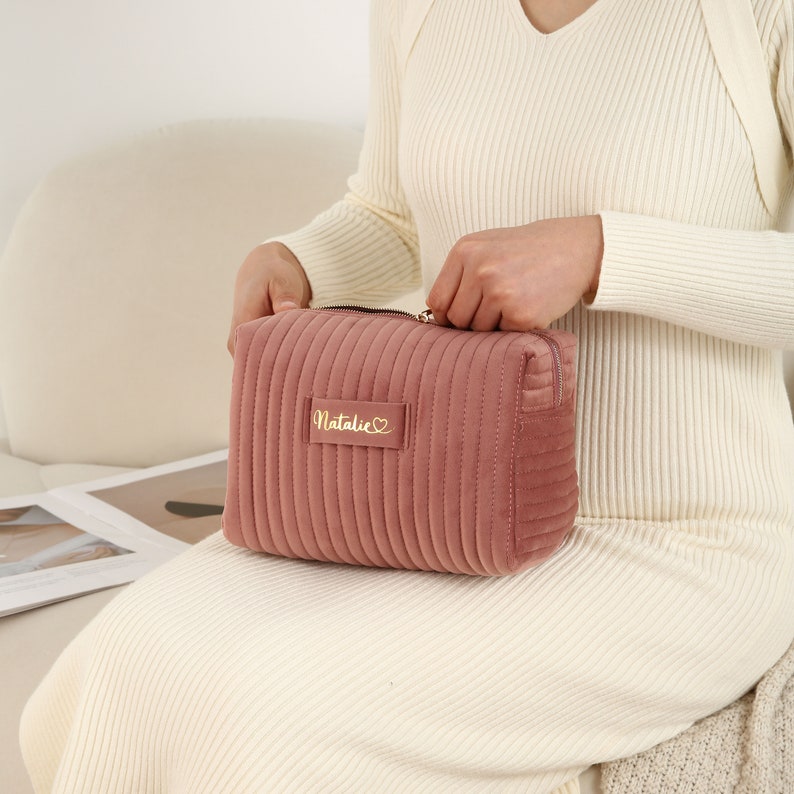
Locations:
106 532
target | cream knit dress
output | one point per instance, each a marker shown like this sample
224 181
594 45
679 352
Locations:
228 671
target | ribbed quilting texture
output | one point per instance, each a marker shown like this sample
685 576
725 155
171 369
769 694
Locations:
485 484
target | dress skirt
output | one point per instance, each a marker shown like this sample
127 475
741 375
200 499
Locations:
231 671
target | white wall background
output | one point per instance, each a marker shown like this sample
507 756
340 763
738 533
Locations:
79 74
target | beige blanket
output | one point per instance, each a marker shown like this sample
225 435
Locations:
747 748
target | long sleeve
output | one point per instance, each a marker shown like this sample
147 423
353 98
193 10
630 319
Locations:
364 248
737 285
734 284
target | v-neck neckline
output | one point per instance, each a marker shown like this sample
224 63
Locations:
577 22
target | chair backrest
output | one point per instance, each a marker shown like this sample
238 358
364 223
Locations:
116 284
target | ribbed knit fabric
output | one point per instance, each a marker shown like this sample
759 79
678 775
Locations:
228 671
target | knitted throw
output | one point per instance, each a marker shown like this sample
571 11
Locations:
747 748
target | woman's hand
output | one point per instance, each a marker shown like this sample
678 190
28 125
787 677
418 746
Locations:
270 280
520 278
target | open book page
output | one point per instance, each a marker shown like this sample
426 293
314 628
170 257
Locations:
94 535
173 505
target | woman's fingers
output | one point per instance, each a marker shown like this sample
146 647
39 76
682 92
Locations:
285 293
487 318
457 296
270 280
444 289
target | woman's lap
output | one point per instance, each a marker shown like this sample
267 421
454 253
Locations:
231 671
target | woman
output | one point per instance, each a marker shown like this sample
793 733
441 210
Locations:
530 162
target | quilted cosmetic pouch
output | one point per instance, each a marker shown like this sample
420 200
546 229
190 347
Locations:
370 438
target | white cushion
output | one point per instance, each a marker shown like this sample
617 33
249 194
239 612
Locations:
18 476
116 285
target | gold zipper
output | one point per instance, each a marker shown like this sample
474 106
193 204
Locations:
422 317
557 356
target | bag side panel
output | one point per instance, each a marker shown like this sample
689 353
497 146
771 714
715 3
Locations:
546 482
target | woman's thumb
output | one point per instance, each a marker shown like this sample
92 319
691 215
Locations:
284 302
283 295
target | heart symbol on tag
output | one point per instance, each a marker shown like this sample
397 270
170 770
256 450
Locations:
379 425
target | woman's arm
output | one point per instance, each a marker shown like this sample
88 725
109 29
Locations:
737 285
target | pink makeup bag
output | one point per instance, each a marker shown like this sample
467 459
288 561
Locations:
374 439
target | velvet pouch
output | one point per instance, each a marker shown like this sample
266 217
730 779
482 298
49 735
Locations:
370 438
